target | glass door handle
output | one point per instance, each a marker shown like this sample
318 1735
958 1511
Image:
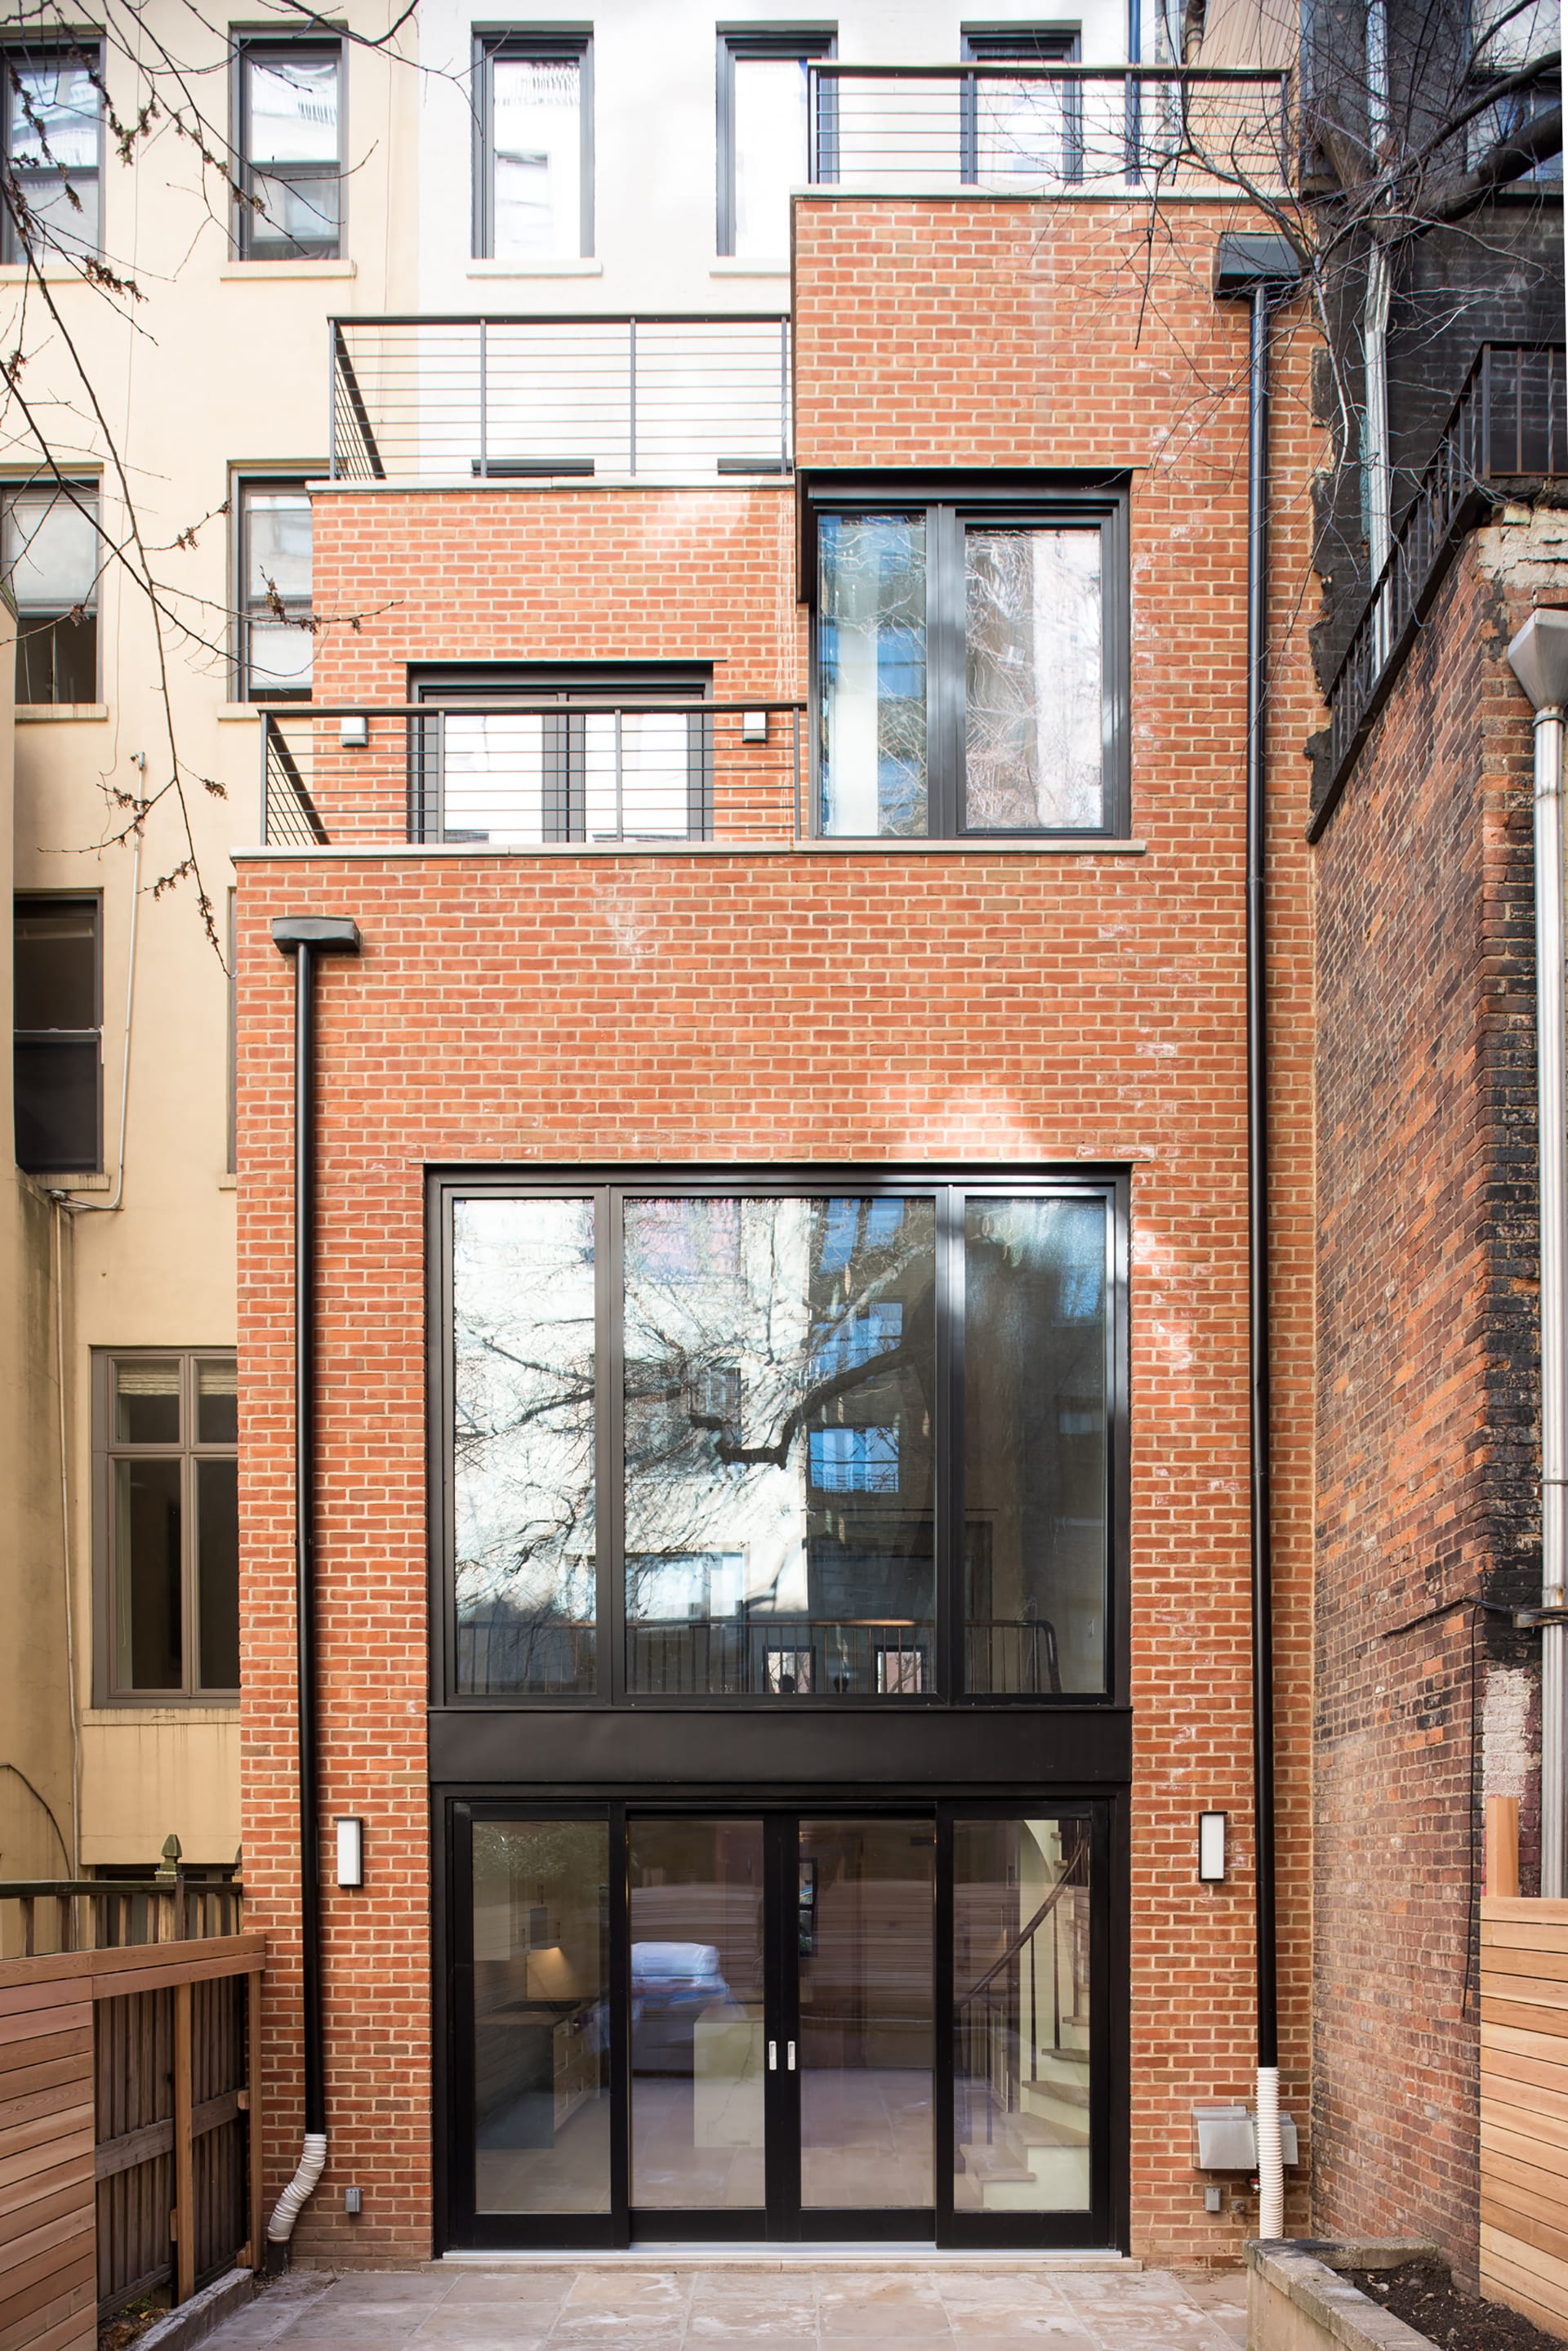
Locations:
773 2056
790 2046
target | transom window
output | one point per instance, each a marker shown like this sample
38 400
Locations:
969 666
770 1444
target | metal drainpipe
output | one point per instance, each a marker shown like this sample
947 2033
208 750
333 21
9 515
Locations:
305 936
1257 270
1539 656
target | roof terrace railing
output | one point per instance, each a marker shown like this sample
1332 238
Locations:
531 775
559 399
1017 129
1509 425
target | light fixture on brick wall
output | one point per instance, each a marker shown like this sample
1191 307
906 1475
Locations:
354 731
1211 1848
753 725
350 1851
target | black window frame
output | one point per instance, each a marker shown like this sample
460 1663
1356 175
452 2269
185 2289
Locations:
37 625
950 1183
285 47
87 53
949 503
1060 43
243 486
72 1040
799 42
106 1450
539 45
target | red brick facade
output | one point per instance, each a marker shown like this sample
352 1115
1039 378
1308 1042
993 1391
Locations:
1429 1403
876 1006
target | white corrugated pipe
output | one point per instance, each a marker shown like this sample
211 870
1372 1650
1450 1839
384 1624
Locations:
1539 655
291 2202
1270 2156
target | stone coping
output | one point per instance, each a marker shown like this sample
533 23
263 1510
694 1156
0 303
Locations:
1305 2271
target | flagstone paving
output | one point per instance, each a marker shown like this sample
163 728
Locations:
644 2306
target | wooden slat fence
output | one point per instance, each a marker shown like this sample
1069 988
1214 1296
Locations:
1525 2107
130 2142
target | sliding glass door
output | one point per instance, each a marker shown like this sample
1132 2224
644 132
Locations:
775 2025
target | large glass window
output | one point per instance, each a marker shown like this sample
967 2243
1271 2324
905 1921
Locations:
50 559
168 1525
764 134
52 120
969 671
1021 128
534 163
291 150
274 562
696 1437
57 996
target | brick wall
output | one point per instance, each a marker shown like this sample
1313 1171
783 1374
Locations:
1428 1419
826 1004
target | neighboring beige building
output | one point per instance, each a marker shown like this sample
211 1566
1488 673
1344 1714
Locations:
642 161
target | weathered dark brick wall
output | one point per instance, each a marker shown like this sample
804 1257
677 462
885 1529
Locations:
1427 1400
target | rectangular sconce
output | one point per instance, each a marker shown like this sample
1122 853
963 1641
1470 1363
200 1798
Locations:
1211 1848
354 733
753 725
350 1851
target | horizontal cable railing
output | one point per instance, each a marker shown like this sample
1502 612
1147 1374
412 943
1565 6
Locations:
529 775
39 1916
1509 425
559 399
1022 130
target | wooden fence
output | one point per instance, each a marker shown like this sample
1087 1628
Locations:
129 2135
1524 2106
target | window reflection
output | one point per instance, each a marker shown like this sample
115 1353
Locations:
1035 752
779 1446
871 652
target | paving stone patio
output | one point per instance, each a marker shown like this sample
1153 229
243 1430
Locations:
682 2306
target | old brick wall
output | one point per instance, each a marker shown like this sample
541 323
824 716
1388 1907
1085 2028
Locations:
825 1004
1427 1427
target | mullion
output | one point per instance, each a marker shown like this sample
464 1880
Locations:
948 1530
945 671
610 1268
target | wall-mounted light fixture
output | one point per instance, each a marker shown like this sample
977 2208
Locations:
753 725
354 732
1211 1848
350 1851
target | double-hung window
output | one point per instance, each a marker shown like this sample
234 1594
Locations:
274 535
763 132
534 183
166 1525
969 663
52 120
776 1442
57 995
51 556
291 150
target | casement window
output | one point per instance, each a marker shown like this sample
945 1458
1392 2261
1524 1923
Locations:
51 556
763 132
52 120
534 162
166 1525
969 663
291 150
772 1442
58 984
276 651
1027 130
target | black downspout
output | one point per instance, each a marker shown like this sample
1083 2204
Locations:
305 936
1258 269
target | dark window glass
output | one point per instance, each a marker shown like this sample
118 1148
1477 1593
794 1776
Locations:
534 166
172 1523
1021 2015
56 1049
275 554
541 2037
523 1484
52 124
1036 1454
964 673
292 163
50 557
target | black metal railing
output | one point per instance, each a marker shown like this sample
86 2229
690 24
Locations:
529 775
670 398
1507 426
1019 130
